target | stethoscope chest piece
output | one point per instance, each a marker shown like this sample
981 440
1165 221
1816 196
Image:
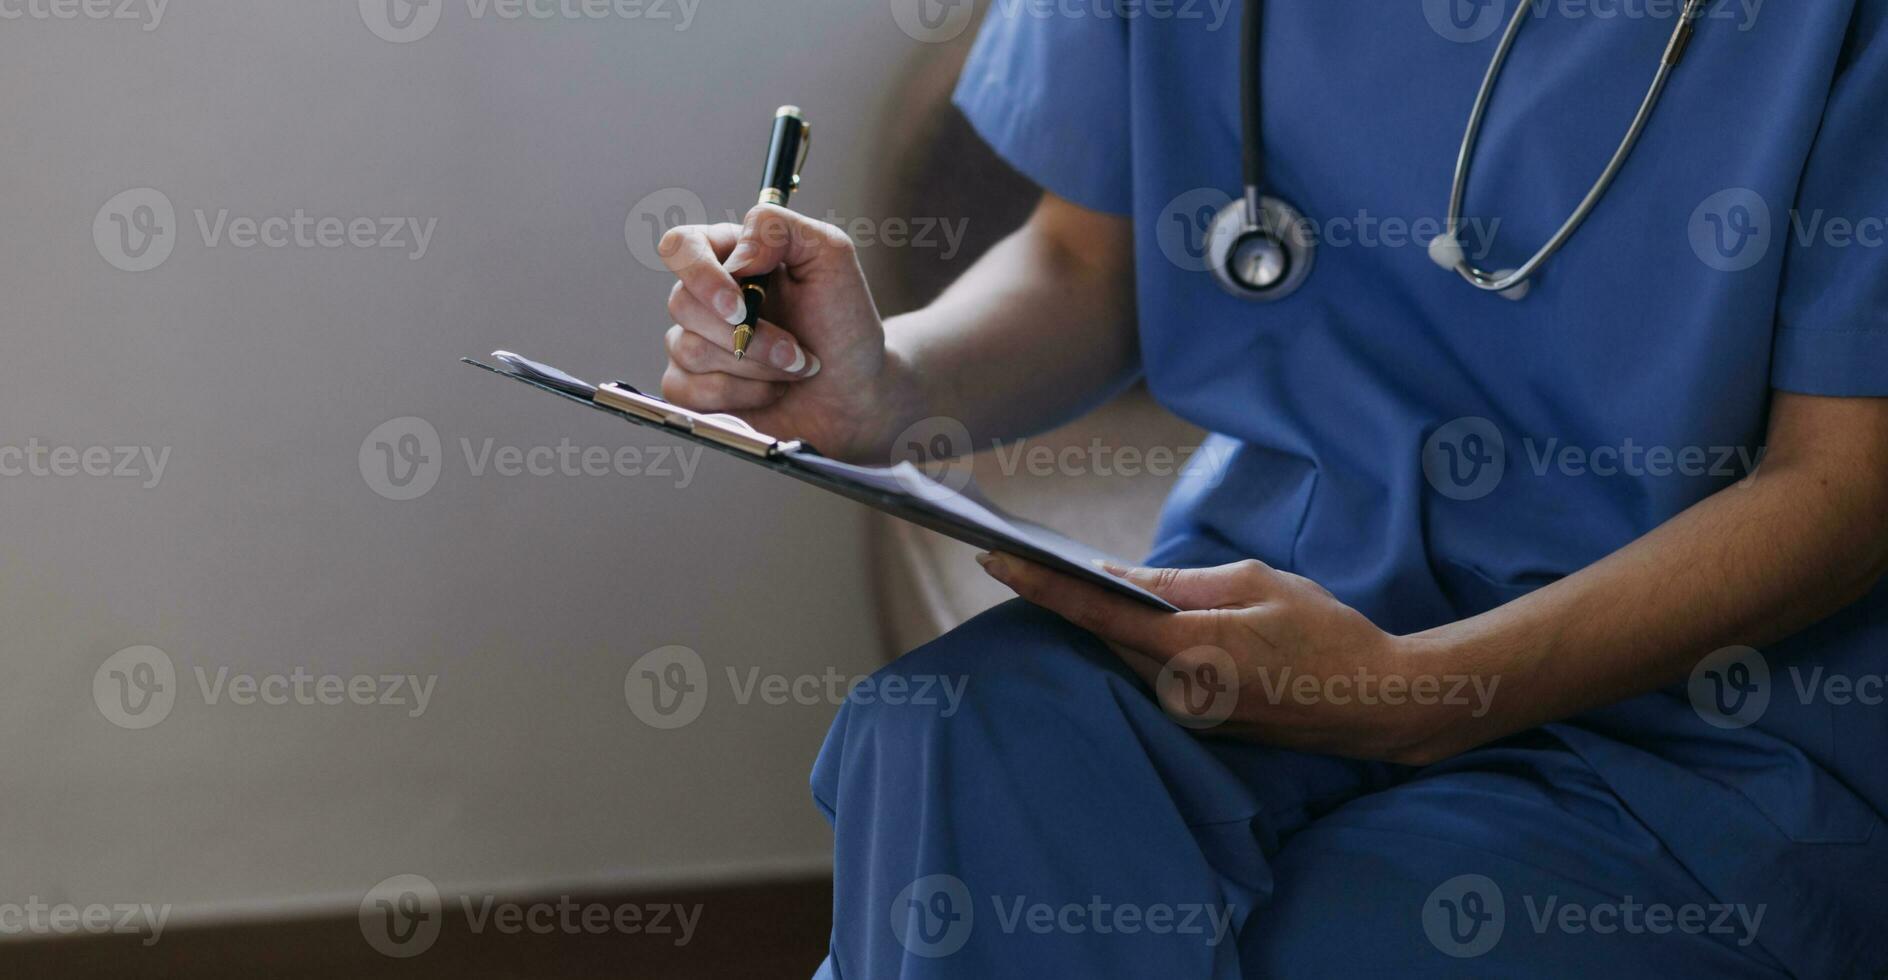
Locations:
1262 259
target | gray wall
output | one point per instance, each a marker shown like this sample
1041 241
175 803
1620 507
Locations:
268 547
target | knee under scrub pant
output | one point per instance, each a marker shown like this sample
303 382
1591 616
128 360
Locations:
1055 822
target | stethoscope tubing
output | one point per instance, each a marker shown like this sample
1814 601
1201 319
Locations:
1510 279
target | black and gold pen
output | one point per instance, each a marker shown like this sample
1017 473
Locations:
786 152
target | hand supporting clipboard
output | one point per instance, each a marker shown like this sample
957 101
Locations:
901 491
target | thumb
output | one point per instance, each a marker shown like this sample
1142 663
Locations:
773 236
1242 583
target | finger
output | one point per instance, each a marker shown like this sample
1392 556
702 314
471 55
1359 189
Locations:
697 356
718 392
1091 607
693 253
771 345
773 236
1234 586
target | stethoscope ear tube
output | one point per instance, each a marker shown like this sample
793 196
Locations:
1251 104
1447 250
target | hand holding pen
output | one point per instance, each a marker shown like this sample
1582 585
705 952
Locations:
814 363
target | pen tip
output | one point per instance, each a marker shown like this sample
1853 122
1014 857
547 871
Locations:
740 355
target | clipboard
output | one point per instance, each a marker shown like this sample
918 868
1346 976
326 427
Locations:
892 490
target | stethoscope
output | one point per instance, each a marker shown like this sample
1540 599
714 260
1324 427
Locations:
1261 248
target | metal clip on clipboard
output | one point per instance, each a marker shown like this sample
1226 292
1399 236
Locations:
724 429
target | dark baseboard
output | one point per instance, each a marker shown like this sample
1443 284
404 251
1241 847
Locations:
773 931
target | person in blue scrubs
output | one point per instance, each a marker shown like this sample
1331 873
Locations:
1540 637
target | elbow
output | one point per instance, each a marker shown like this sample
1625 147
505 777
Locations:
1865 567
1877 567
1853 517
1869 566
1872 530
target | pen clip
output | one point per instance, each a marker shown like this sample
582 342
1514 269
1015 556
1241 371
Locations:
806 146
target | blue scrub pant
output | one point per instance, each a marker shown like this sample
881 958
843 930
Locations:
1057 824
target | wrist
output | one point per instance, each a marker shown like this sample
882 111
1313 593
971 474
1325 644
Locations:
1458 692
900 395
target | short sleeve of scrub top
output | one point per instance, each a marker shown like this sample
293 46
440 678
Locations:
1051 94
1832 329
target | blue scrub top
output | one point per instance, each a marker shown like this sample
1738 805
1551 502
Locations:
1428 451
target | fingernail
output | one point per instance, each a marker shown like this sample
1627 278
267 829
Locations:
811 371
992 564
789 357
737 259
731 307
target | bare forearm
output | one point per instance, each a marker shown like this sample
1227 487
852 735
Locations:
1037 332
1804 536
